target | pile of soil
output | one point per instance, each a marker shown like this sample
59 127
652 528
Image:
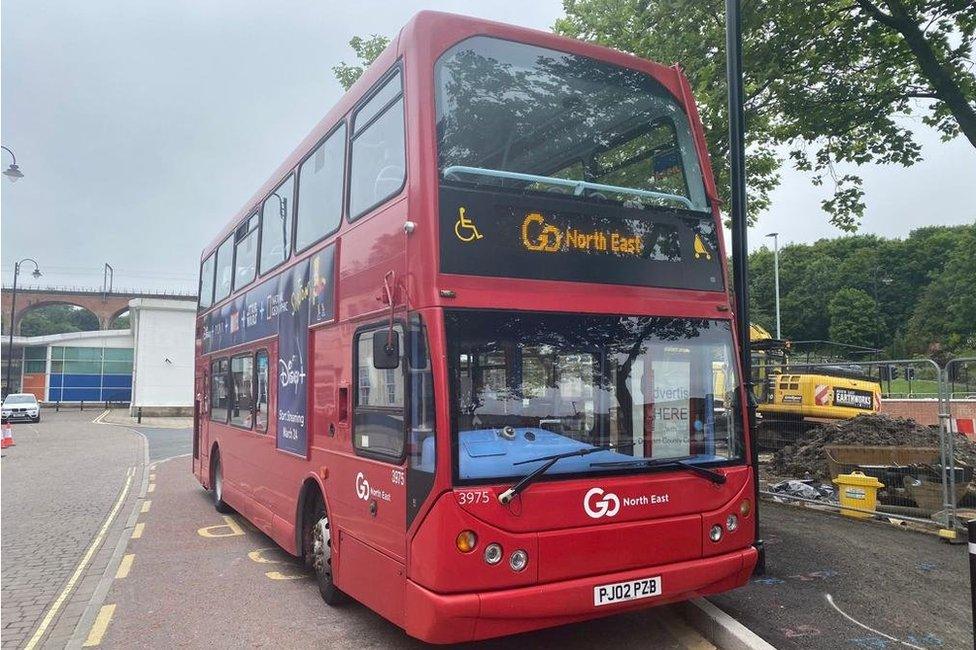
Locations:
806 458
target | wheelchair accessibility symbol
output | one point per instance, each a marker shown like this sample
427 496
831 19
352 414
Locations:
467 227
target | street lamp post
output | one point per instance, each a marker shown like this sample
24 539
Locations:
775 236
13 311
13 172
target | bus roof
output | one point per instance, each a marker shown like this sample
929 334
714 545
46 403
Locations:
419 31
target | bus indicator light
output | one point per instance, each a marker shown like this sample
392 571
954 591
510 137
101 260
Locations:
466 541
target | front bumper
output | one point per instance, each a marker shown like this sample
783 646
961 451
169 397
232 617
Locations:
455 618
20 415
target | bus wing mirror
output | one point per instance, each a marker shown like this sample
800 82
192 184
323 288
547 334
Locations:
386 349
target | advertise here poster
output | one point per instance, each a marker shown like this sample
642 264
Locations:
671 404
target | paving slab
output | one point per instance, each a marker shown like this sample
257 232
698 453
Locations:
60 483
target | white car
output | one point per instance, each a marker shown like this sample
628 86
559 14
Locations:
21 406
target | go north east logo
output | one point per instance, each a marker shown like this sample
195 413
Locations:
543 237
365 492
597 503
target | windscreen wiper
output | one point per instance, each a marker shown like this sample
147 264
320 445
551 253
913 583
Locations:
683 463
506 497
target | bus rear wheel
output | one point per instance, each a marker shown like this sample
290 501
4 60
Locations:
321 556
218 487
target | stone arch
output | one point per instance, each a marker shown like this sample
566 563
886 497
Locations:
105 306
111 319
41 304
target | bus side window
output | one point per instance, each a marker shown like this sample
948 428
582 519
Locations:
261 394
378 408
422 448
377 160
219 395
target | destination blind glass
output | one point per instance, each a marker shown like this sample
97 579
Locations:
490 233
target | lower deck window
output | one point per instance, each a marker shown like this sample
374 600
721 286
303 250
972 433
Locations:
378 413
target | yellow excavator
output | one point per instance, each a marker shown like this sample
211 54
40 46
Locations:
794 399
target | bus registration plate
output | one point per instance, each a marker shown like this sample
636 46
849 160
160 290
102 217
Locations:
620 592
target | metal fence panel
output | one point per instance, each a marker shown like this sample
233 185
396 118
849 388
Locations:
890 420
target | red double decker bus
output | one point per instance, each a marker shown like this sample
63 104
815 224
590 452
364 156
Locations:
469 352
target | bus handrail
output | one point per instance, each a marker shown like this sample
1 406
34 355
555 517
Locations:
578 186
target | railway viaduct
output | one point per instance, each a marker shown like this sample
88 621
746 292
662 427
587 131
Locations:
105 305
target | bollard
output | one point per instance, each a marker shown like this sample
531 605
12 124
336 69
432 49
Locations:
971 524
139 415
57 406
82 405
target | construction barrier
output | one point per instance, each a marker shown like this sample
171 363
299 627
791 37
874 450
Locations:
920 449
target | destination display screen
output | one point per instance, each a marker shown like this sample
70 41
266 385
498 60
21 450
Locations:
541 238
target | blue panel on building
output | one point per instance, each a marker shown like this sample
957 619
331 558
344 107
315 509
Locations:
82 381
55 380
79 394
117 381
116 394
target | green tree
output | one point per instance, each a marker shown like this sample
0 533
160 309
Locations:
830 82
945 314
366 49
57 319
854 318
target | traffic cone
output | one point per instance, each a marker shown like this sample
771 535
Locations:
8 436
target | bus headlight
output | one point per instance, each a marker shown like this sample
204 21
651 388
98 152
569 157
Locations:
715 533
731 523
466 541
518 560
493 553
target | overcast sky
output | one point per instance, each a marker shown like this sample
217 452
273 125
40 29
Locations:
142 127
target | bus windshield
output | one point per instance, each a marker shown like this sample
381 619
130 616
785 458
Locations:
530 385
524 118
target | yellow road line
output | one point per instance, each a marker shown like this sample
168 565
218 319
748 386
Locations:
100 626
145 506
86 558
277 575
152 477
125 566
151 488
137 530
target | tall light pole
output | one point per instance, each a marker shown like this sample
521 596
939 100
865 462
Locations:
13 172
13 311
740 237
775 236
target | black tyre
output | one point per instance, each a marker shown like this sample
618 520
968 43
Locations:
319 549
217 489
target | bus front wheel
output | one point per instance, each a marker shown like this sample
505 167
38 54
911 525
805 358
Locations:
321 555
218 487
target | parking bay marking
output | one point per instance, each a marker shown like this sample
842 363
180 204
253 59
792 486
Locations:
100 625
138 530
257 555
145 506
125 566
230 524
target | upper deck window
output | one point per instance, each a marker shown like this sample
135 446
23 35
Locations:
276 225
225 269
207 282
378 157
246 252
519 117
320 191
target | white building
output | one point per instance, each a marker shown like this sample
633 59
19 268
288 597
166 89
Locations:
148 366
